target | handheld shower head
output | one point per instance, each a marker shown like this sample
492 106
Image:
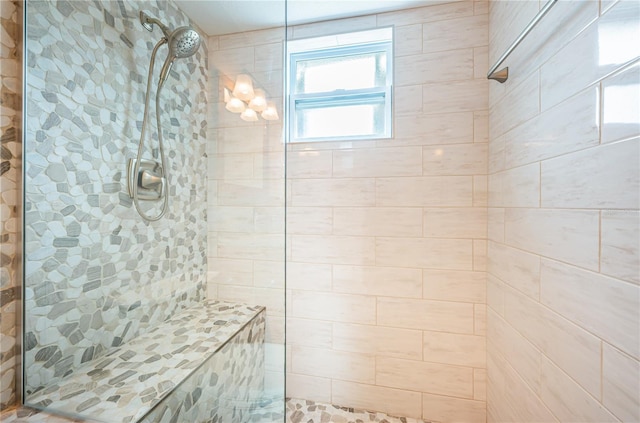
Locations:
183 42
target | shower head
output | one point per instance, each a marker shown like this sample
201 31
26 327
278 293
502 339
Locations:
183 42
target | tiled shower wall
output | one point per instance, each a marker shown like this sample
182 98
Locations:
386 278
97 274
10 143
564 226
386 239
246 179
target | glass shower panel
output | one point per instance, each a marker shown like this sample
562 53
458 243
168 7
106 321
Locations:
124 317
247 179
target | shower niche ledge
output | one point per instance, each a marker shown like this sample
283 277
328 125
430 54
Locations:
204 364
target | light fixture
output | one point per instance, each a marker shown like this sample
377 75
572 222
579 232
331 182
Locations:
243 88
270 113
235 105
259 102
249 115
246 100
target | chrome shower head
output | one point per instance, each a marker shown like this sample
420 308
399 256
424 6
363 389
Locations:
183 42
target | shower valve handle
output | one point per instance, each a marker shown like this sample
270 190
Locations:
150 183
150 180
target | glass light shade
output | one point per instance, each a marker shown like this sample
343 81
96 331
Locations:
243 88
227 95
249 115
235 105
259 102
270 113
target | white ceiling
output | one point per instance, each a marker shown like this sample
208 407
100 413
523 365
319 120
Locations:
217 17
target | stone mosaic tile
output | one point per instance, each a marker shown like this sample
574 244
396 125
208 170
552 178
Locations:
297 411
303 411
97 275
20 415
132 379
267 410
229 387
10 166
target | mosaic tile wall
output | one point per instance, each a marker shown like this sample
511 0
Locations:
210 356
97 275
214 352
227 388
10 103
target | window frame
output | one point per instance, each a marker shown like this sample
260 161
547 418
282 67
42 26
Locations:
341 97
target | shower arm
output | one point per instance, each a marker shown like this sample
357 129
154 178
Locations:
136 172
148 22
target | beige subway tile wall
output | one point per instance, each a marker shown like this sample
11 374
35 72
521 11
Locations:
386 278
386 239
246 181
563 300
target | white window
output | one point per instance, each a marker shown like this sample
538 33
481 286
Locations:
340 86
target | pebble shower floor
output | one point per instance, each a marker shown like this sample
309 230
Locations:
303 411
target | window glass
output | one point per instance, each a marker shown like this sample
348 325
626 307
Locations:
350 72
337 121
340 88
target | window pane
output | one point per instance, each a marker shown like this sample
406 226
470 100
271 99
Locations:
340 121
351 72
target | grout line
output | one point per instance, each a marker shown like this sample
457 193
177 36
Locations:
600 242
473 256
600 111
601 399
473 381
540 184
539 91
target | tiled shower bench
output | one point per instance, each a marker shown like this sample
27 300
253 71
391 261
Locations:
206 364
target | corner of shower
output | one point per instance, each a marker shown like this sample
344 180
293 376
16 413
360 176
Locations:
154 275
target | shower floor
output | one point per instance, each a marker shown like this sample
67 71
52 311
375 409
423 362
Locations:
303 411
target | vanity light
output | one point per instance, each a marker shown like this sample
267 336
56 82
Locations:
246 100
259 102
235 105
270 113
243 89
249 115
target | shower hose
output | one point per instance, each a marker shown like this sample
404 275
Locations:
165 169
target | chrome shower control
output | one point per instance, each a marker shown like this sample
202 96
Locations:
150 181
